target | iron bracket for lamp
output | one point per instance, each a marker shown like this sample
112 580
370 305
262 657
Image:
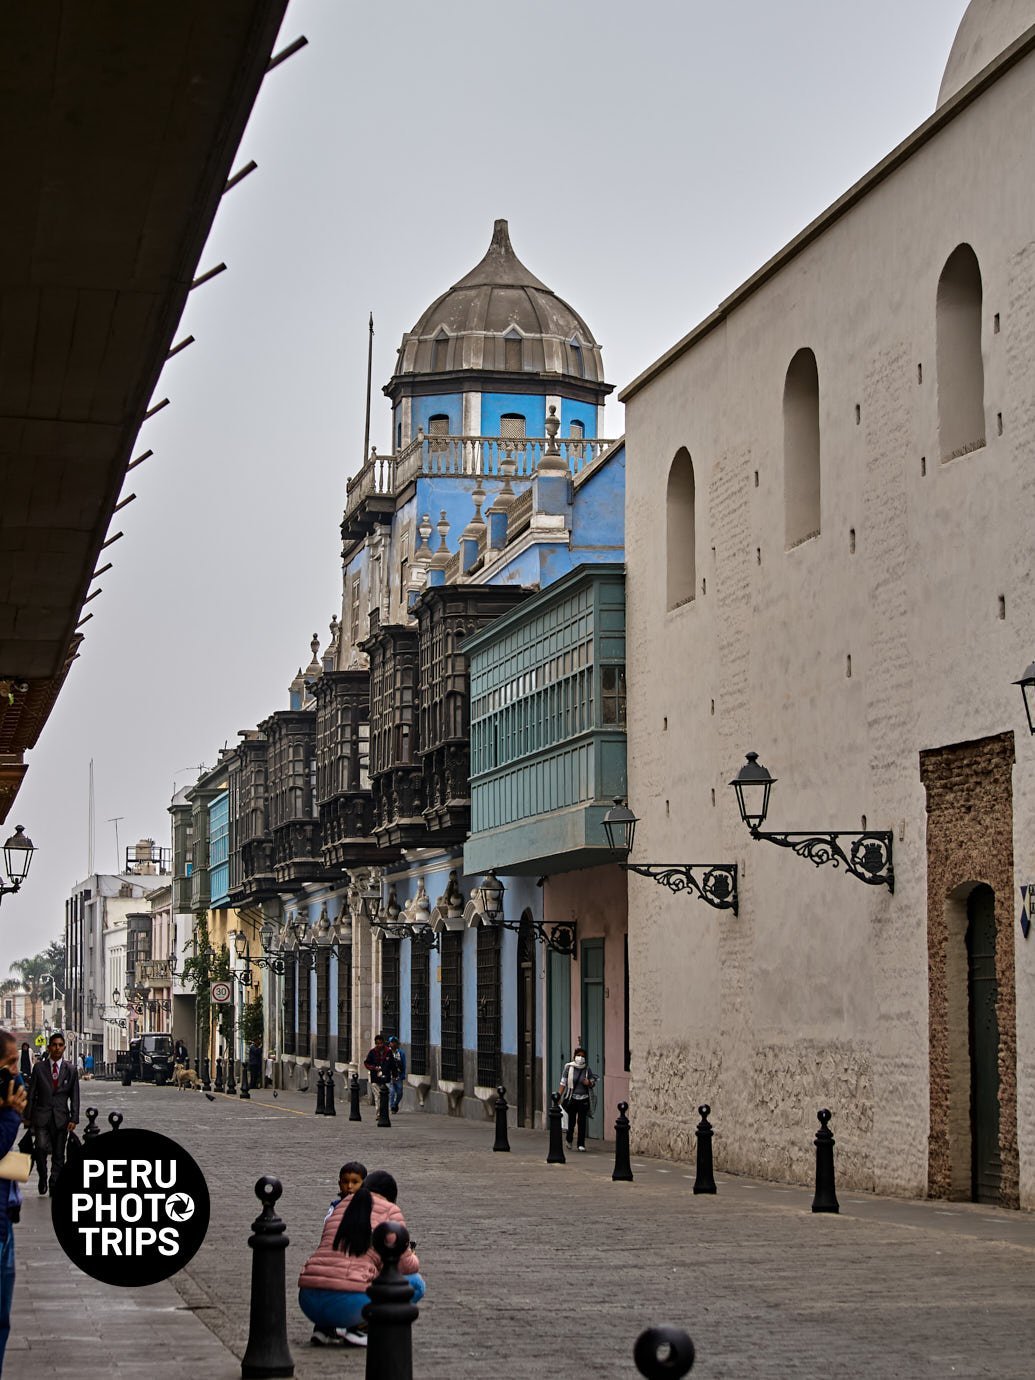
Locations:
559 938
714 883
869 858
425 935
271 961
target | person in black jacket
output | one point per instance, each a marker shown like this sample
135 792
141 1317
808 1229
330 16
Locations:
53 1108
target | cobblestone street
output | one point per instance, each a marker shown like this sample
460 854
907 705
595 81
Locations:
533 1267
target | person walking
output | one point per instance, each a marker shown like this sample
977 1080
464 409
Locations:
380 1064
26 1060
13 1102
255 1063
53 1109
577 1080
180 1055
398 1084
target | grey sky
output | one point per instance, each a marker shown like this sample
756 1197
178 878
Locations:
649 156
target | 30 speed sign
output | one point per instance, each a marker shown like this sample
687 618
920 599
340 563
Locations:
220 993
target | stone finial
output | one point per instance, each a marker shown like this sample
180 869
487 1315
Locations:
551 461
442 526
424 530
478 496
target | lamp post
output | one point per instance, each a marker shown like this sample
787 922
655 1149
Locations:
868 857
1027 684
560 937
714 883
18 853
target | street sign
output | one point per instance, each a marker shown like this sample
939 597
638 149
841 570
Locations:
40 1042
221 993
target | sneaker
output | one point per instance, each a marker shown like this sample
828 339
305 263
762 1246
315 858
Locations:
582 1149
352 1336
324 1338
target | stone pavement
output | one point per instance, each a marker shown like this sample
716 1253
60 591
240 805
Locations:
534 1267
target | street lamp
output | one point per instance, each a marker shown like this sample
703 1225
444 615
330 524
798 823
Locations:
1027 684
386 919
559 937
714 883
868 858
18 851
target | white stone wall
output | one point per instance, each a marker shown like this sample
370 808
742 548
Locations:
817 993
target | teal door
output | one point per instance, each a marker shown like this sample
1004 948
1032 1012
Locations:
592 970
987 1165
558 1032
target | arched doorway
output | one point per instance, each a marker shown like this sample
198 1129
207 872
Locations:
983 1022
526 983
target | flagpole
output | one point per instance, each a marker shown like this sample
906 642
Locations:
370 361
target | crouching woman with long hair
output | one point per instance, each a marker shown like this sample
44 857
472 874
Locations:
332 1288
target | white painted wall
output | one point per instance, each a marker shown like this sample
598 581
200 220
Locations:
817 994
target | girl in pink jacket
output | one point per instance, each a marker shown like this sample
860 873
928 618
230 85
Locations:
332 1288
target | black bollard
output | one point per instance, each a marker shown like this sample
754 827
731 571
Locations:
390 1312
354 1094
328 1097
231 1082
623 1169
661 1352
244 1080
197 1066
502 1141
127 1074
267 1353
826 1197
383 1119
555 1155
319 1093
219 1075
705 1181
92 1129
114 1120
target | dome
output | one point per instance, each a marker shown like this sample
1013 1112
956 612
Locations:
986 30
500 318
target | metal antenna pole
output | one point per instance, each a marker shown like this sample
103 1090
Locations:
115 821
370 363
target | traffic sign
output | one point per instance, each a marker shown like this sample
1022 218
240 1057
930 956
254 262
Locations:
221 993
40 1042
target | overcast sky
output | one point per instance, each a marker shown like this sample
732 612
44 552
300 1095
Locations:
649 157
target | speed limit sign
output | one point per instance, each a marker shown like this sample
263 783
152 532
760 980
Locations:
220 993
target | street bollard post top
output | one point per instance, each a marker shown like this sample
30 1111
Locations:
391 1250
824 1117
268 1190
704 1109
114 1120
661 1352
623 1107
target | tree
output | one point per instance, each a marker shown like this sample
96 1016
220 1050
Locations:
33 974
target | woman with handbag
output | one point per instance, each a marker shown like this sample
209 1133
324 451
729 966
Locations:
577 1079
12 1108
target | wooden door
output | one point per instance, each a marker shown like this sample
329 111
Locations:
983 993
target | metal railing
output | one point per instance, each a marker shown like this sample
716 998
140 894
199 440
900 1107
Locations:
481 456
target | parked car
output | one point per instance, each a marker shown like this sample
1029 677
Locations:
151 1058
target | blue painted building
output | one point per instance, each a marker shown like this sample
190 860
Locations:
350 809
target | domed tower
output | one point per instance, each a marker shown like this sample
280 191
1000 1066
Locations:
987 29
493 354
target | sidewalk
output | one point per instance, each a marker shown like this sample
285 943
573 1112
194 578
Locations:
534 1267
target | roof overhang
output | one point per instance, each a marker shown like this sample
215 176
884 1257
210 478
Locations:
120 123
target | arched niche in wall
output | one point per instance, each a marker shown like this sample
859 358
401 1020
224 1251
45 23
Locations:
681 530
801 449
961 370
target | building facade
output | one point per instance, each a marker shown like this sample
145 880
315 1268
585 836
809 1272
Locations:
349 809
828 519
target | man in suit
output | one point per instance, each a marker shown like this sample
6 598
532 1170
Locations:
53 1108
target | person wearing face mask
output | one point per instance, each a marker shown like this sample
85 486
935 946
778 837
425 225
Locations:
577 1079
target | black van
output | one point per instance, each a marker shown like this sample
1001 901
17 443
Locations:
151 1058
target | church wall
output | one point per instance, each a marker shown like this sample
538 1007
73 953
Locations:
531 405
423 409
818 993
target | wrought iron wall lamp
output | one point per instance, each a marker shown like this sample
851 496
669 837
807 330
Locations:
385 918
867 857
1027 684
714 883
560 937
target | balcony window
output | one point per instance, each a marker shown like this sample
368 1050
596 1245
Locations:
513 354
612 695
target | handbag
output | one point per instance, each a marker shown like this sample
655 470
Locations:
26 1145
16 1165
